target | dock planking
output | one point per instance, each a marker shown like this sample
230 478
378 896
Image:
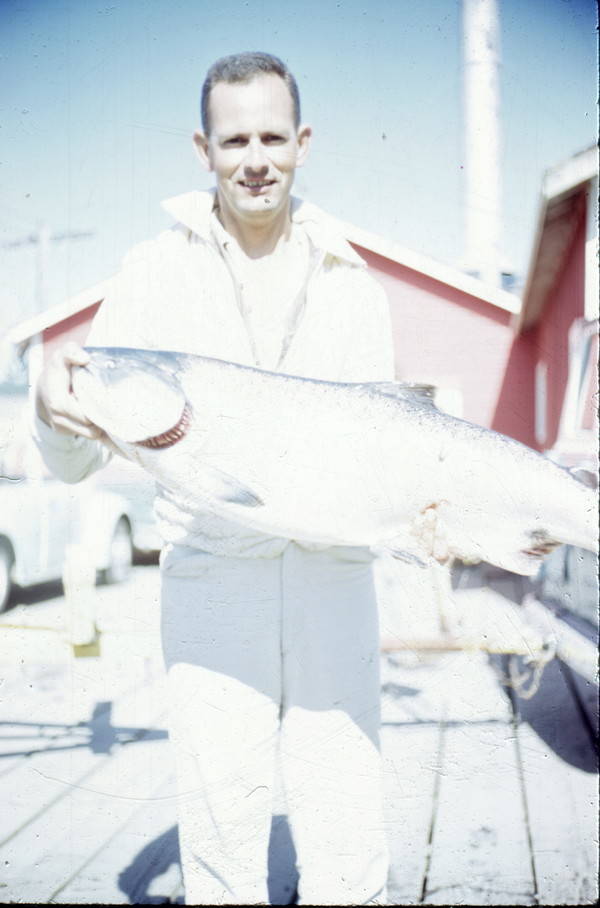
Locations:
490 798
458 805
559 765
410 737
138 863
479 844
67 800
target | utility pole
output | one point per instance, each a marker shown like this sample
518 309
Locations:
43 239
481 60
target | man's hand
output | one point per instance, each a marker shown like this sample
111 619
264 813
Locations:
55 402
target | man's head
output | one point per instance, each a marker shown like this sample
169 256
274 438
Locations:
243 68
252 138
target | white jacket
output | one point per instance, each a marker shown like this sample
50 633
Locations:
178 292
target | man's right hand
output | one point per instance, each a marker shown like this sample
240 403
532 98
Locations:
55 402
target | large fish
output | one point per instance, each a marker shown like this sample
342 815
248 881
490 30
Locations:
332 463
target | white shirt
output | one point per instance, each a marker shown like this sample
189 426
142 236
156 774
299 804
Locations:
192 291
272 291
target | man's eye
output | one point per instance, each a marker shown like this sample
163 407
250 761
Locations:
273 139
235 141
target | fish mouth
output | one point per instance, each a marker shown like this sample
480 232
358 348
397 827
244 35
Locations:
172 436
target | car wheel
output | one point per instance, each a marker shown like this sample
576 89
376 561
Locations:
121 553
6 563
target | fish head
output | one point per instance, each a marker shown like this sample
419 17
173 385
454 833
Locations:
134 396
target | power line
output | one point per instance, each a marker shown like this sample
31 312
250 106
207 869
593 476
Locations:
43 240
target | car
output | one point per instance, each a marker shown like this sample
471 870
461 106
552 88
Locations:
137 487
46 524
41 518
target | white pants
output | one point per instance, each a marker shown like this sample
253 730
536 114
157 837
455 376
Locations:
269 656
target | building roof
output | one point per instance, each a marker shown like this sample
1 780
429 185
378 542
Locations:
563 202
422 264
24 331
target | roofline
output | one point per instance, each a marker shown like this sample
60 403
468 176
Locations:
570 173
561 180
415 261
445 274
24 331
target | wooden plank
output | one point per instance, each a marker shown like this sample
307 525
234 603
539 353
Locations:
480 853
138 864
34 697
85 731
479 849
28 698
410 763
412 707
26 644
561 786
60 840
71 795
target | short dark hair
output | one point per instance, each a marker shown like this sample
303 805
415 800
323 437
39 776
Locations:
243 68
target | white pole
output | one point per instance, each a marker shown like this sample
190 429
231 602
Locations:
43 251
481 55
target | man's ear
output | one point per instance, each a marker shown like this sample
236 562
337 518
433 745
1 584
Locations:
304 137
201 149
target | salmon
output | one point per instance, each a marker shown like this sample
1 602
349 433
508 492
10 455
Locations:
332 463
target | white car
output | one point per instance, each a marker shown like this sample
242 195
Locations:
40 518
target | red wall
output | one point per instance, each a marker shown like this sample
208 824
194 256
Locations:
565 303
452 339
515 406
74 328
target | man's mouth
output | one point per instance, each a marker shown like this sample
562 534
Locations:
257 185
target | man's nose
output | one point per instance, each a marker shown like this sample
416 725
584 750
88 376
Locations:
256 159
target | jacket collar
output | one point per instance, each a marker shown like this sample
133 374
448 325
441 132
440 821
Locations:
194 209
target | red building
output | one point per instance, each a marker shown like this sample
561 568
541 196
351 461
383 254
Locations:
495 360
557 328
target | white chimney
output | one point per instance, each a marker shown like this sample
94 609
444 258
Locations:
481 56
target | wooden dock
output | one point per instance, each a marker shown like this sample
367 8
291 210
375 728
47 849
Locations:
491 798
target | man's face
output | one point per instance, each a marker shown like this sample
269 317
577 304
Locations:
253 147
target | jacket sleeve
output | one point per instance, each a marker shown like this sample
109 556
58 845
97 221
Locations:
118 322
70 458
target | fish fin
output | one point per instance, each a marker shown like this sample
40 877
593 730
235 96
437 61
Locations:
587 477
407 557
423 543
230 490
404 548
407 390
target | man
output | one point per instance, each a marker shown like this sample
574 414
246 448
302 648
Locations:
271 648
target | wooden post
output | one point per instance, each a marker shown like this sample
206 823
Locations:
79 582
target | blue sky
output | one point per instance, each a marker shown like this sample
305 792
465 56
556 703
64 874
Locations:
99 100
